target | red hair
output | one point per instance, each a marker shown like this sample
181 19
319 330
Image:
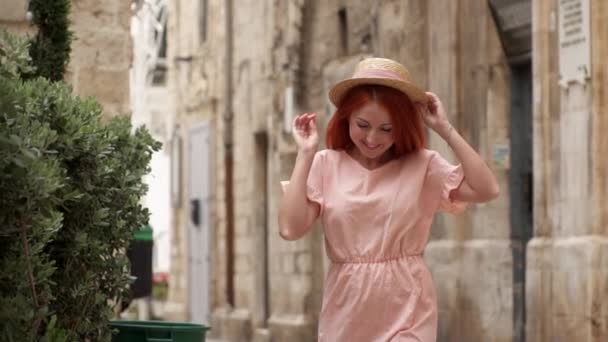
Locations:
408 126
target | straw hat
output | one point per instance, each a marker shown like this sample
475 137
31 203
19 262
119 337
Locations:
379 71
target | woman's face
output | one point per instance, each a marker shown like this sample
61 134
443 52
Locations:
371 130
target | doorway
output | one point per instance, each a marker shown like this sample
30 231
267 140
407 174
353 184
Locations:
261 228
520 186
198 223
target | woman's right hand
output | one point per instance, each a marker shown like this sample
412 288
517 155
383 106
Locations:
304 131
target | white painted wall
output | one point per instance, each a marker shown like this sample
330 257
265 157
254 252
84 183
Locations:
150 107
158 202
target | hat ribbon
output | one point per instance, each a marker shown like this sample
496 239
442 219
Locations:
377 73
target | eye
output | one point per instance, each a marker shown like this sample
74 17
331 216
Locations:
387 129
362 125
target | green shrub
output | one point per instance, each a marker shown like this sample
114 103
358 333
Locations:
14 57
50 48
71 189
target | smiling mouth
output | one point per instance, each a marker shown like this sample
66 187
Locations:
371 147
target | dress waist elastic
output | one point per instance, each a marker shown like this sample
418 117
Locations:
371 260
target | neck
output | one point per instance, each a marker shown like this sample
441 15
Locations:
371 163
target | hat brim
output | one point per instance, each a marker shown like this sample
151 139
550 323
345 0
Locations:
341 88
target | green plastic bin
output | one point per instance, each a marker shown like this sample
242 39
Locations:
140 256
158 331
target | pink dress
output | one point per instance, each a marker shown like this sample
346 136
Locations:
376 225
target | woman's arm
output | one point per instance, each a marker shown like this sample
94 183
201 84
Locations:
479 183
296 212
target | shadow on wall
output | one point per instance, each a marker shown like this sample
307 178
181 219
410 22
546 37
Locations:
471 326
461 322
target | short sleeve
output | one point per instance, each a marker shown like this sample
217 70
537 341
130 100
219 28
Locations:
314 183
444 178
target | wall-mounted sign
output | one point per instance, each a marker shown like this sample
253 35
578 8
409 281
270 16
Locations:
574 41
501 156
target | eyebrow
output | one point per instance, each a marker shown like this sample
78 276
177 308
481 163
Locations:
367 122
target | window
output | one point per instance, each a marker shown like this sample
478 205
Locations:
159 74
343 21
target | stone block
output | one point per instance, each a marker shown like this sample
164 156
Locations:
566 289
231 325
301 245
111 110
443 258
106 48
256 264
294 328
288 260
299 287
93 13
303 263
261 335
243 285
238 325
279 298
241 226
217 319
599 288
13 10
69 76
175 311
404 39
491 220
22 28
242 245
123 14
486 291
242 264
274 264
538 283
107 86
578 304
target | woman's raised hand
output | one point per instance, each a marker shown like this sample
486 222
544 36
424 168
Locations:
305 132
434 115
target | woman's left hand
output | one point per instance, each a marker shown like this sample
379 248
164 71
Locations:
434 115
479 184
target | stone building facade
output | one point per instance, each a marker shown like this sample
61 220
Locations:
101 50
528 266
102 53
567 282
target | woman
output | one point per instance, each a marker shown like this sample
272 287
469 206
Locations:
376 190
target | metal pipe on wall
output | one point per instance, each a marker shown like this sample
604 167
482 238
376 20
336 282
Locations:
228 157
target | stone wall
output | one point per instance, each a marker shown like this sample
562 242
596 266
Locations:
567 286
308 45
13 17
195 83
470 255
101 51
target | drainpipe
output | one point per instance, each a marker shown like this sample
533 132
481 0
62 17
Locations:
228 158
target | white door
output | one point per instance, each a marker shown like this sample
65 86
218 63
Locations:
199 237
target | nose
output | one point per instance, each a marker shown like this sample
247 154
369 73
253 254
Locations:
371 138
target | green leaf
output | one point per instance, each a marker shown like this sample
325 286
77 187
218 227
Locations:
16 140
52 322
27 153
19 162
